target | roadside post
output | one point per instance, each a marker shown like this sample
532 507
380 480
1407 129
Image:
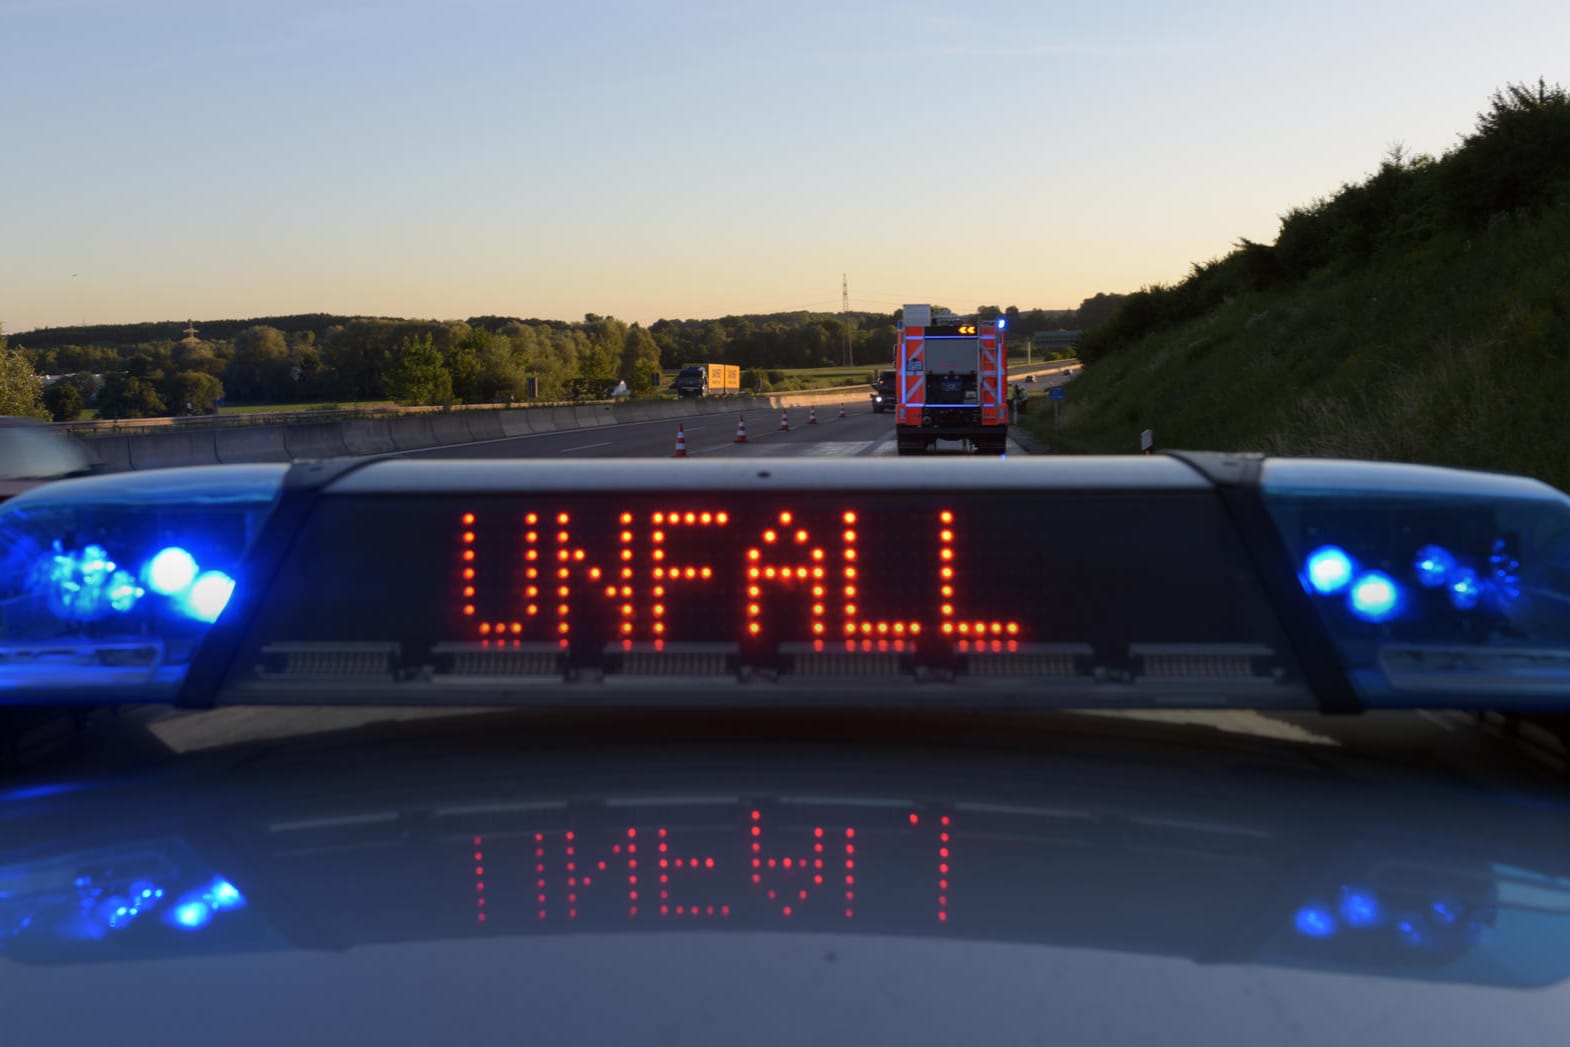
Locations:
1057 394
1147 441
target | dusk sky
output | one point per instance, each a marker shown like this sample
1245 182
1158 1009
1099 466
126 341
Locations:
169 159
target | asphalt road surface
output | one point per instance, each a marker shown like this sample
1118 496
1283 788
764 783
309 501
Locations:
859 434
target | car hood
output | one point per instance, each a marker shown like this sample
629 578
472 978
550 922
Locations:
478 879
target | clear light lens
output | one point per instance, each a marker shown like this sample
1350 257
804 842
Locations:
1374 597
171 571
1329 570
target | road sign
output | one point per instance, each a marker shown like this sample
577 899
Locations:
1057 392
1147 440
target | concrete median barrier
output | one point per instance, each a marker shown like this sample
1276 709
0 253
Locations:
560 419
591 416
638 412
323 440
261 443
371 436
519 422
412 433
170 450
483 425
110 453
449 429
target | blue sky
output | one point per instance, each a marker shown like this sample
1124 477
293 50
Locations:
166 159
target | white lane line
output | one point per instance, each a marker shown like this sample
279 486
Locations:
886 447
834 449
582 447
881 446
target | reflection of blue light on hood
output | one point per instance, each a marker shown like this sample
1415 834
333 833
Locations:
1328 569
1360 909
1442 914
38 792
197 908
225 895
1315 921
191 916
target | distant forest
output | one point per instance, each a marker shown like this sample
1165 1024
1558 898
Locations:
152 369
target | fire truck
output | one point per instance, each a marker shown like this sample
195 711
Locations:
951 383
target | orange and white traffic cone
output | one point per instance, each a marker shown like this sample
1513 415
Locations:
842 410
812 416
784 421
741 429
681 441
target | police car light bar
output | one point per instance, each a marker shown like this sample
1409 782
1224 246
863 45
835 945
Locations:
1186 580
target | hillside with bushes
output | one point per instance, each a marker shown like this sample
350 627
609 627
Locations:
1421 315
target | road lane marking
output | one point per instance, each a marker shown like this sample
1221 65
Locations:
582 447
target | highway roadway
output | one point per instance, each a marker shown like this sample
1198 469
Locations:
859 434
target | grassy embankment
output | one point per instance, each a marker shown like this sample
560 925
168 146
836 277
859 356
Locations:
1423 315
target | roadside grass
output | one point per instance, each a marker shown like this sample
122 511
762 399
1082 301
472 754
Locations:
1455 352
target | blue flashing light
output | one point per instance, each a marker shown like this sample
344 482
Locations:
1465 590
223 895
208 596
1442 914
1002 323
118 912
191 916
171 571
95 564
1328 569
1374 597
1433 565
1410 933
1505 572
1360 909
197 908
124 592
1315 921
85 586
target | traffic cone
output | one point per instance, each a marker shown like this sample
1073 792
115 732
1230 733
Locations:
741 429
681 441
784 421
812 416
842 410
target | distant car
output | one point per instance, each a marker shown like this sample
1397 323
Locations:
883 392
1031 379
32 454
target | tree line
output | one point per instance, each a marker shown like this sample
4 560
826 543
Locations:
488 359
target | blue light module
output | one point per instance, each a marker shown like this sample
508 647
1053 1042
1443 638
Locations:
108 583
